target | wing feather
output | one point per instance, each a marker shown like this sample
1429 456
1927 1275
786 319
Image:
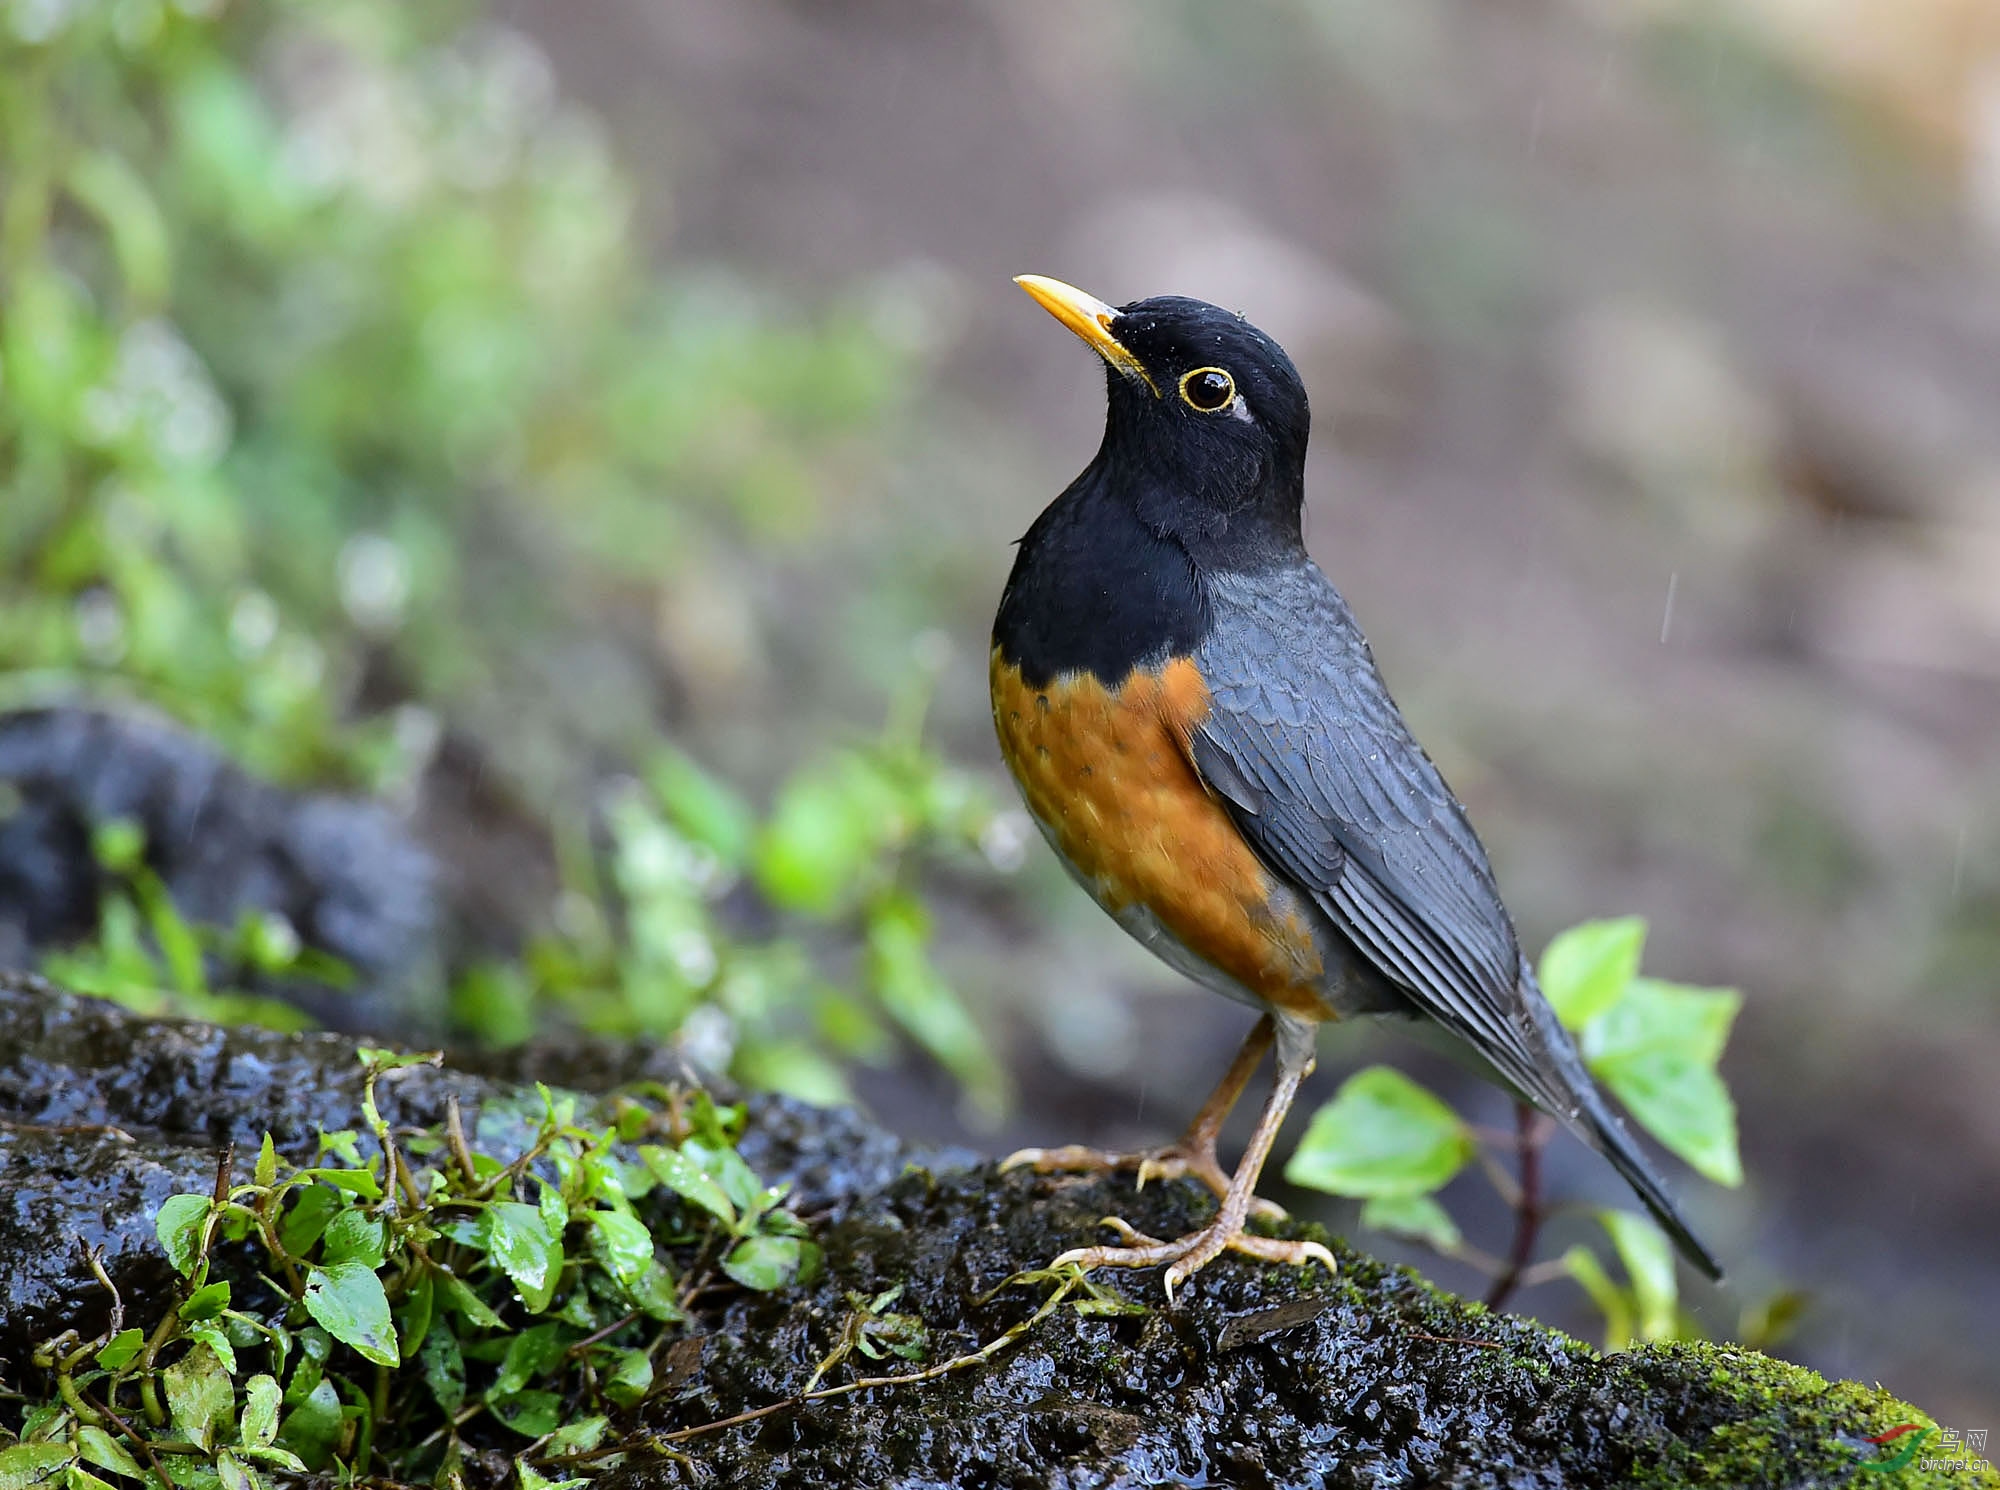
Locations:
1328 785
1334 792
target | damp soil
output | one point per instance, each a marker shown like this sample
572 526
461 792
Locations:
1258 1376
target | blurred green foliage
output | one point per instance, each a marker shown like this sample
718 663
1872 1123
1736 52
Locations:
149 957
1391 1143
339 410
834 861
328 357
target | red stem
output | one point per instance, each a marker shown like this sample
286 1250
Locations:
1528 1138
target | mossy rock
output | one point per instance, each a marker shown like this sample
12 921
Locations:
1260 1376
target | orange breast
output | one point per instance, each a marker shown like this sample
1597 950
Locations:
1107 773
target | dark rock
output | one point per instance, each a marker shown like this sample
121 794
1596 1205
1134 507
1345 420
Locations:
345 873
102 1115
1261 1376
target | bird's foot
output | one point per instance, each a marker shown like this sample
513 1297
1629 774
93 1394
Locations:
1188 1255
1168 1162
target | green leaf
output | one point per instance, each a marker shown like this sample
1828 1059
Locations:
1612 1301
902 1335
119 845
306 1220
212 1336
347 1299
312 1428
444 1369
1649 1262
469 1306
1418 1216
235 1474
413 1315
119 197
38 1422
361 1182
106 1452
720 1162
704 808
764 1262
178 1226
533 1479
352 1237
28 1464
688 1180
1657 1049
1585 970
205 1303
260 1411
530 1413
1381 1135
267 1162
199 1394
1683 1104
383 1058
272 1454
179 946
554 1209
794 1068
123 1347
578 1437
914 995
820 841
76 1477
1692 1022
519 1243
624 1244
531 1355
653 1294
628 1382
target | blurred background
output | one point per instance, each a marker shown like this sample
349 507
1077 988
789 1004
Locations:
500 512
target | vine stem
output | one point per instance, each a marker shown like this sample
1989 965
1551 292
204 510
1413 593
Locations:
1064 1288
1529 1136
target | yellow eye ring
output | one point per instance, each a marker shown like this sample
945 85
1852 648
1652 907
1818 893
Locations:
1208 389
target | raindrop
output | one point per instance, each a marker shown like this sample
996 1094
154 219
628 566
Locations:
374 582
253 623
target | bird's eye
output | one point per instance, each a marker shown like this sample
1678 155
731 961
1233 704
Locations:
1207 389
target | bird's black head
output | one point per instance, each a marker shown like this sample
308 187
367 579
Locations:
1206 428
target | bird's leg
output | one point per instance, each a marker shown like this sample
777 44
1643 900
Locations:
1193 1153
1189 1254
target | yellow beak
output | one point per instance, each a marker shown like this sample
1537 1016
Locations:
1090 318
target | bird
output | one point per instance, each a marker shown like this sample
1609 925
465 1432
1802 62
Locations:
1197 726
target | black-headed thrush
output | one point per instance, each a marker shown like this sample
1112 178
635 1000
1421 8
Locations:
1199 730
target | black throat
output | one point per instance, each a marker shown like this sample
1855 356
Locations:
1096 589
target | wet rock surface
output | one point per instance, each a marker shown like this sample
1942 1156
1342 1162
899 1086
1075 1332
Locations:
347 876
1260 1376
103 1115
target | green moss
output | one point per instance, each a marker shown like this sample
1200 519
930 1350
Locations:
1777 1423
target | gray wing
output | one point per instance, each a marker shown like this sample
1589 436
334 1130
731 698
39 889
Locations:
1330 787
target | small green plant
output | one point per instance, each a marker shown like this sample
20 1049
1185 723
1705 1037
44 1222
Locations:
148 957
653 940
404 1305
1391 1143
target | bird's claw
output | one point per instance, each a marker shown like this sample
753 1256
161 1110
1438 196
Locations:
1188 1255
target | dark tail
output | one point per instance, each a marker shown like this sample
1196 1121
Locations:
1570 1095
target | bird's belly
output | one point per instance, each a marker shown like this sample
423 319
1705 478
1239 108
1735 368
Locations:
1104 772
